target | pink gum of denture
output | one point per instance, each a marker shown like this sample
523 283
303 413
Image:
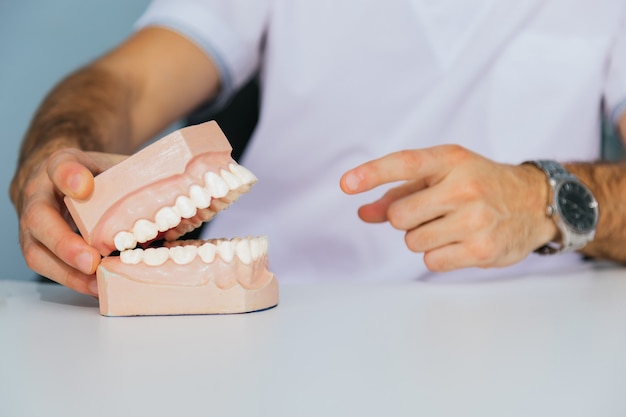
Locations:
171 289
147 181
137 188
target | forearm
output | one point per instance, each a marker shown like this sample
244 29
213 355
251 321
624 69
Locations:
89 110
608 183
121 100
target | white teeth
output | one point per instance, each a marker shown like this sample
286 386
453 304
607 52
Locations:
124 240
155 256
144 230
185 207
183 255
207 252
255 249
224 187
215 185
199 196
226 250
242 250
232 180
263 244
242 172
131 257
166 218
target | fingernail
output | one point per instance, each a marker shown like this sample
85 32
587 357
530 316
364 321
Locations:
74 182
352 182
85 263
93 287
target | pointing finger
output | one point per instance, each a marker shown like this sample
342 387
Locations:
426 165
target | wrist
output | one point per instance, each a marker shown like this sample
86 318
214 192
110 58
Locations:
572 207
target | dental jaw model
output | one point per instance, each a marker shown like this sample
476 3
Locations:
158 194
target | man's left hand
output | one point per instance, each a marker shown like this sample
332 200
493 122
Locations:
457 207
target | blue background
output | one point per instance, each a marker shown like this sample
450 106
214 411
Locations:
40 42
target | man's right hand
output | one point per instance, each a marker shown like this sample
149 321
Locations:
47 237
115 104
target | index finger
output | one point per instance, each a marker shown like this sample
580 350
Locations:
46 225
418 164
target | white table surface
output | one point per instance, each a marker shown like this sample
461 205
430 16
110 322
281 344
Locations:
533 346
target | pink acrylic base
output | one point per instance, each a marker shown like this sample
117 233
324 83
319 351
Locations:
121 296
135 189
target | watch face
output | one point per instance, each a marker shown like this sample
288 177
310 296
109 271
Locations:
578 208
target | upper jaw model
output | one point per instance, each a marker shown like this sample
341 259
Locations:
162 192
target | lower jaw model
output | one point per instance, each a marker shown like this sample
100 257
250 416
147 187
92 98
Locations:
155 196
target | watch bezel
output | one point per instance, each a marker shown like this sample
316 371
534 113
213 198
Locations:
564 215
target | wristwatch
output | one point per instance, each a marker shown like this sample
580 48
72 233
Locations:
572 206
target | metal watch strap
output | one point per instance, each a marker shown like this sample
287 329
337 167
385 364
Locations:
551 168
554 172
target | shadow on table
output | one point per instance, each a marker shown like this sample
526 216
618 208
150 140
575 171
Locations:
59 294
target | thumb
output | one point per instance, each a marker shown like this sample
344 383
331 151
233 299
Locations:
72 172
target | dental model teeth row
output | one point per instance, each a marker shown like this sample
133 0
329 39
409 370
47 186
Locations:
246 250
228 184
